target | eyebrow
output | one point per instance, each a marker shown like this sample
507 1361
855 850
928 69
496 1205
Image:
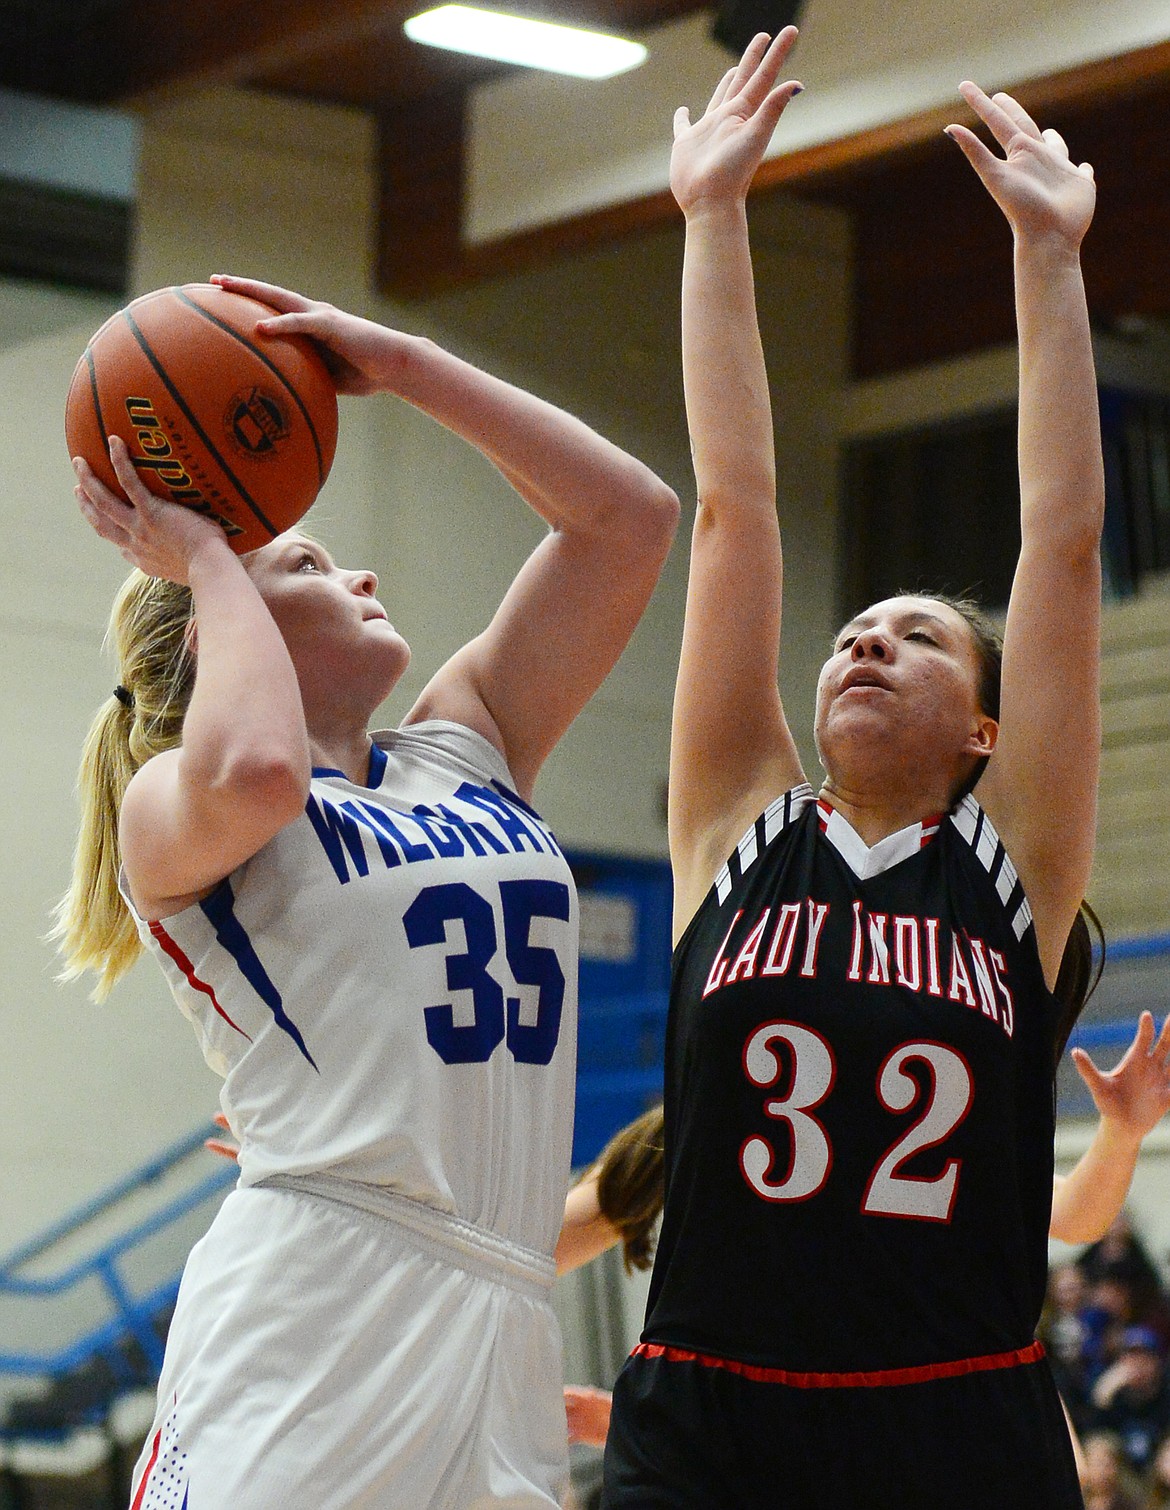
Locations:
912 616
301 546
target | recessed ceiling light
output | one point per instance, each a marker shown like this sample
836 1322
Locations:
533 44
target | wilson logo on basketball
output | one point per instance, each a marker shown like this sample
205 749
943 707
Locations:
256 422
158 456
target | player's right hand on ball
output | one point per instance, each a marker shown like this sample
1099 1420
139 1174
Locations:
361 356
159 537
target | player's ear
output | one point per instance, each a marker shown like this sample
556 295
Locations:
983 736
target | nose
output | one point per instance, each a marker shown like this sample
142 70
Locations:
870 644
365 583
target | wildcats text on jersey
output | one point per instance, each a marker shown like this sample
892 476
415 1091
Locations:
912 953
477 820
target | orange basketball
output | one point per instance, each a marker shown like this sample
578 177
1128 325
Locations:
238 425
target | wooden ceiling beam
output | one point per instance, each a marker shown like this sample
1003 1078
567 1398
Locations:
114 52
895 324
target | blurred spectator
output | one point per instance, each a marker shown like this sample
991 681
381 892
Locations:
1157 1487
1109 1310
1107 1482
1121 1256
1066 1337
1132 1396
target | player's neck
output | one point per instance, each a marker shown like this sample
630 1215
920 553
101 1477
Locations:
348 753
875 817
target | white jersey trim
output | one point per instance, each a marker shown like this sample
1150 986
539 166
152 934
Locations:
969 819
775 818
977 828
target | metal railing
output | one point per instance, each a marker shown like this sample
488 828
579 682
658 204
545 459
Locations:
29 1273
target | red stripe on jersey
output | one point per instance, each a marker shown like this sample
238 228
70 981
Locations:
137 1500
871 1379
172 951
930 827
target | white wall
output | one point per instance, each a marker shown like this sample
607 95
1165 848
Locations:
258 185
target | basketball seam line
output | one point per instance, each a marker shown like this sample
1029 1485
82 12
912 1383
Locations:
196 426
97 403
272 367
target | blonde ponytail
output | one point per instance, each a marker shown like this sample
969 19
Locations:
149 630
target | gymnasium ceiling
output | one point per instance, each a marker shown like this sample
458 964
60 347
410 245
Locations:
348 52
867 134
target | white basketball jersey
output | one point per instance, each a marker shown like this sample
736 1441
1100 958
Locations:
389 988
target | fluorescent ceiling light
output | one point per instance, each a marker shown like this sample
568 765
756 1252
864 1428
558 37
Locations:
534 44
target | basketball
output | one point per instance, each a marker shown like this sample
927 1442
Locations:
216 416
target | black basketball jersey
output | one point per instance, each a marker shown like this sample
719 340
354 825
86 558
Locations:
859 1102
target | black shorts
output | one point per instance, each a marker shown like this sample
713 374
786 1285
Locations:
686 1435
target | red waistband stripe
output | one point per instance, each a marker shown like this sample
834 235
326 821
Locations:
867 1379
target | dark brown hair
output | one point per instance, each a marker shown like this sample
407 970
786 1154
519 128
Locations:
630 1186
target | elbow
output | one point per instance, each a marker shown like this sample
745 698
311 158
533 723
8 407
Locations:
273 781
1068 1225
650 521
1076 1234
663 522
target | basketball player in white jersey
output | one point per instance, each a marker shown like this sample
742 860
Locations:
375 940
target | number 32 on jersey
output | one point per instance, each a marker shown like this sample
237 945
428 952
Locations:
495 1018
945 1103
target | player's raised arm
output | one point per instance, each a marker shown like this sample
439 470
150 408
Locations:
1041 784
194 811
731 751
575 602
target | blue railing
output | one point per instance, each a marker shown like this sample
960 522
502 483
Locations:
132 1316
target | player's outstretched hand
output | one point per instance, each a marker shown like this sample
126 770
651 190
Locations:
1135 1094
359 354
157 536
588 1411
716 157
1036 184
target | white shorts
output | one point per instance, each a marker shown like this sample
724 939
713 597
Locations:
322 1357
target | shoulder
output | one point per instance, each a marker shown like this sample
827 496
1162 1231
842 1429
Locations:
774 826
973 832
444 743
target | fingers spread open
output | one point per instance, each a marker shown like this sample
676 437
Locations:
753 53
1002 124
980 157
1016 112
719 96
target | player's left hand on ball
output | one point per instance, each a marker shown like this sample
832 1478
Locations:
356 351
157 536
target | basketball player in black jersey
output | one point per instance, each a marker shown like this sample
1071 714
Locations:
865 1016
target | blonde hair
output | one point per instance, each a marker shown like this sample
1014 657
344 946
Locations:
149 631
